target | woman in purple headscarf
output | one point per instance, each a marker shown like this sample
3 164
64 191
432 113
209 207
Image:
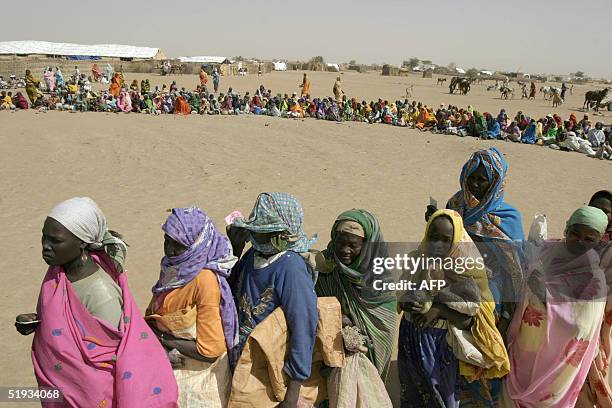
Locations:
192 311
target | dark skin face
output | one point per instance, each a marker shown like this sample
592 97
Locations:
604 205
440 237
59 246
580 238
173 248
348 247
478 182
264 238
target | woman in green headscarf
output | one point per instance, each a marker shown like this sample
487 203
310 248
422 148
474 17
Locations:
194 102
346 272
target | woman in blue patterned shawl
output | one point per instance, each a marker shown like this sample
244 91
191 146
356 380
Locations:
496 228
491 222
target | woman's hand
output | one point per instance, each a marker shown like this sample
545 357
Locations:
177 360
419 307
26 323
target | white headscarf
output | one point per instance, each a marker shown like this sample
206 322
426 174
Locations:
82 217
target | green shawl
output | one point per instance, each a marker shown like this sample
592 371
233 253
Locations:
373 312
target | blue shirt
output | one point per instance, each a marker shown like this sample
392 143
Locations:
284 283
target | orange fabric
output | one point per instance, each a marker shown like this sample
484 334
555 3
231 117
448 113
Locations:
115 87
305 87
203 77
182 107
297 108
425 118
203 292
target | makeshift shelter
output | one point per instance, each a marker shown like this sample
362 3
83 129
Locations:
79 51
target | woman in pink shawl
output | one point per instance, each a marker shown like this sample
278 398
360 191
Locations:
554 334
91 342
124 102
49 79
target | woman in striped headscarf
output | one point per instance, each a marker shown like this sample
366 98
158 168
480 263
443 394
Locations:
346 272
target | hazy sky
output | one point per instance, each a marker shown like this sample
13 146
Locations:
543 36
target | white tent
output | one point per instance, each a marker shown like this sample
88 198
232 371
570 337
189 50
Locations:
206 59
333 67
67 49
460 70
280 66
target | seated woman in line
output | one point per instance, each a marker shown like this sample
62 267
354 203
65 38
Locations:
437 323
529 135
502 119
91 341
346 272
493 128
554 334
181 106
295 110
477 125
513 133
193 311
426 119
272 274
124 102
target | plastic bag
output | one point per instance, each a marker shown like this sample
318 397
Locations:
357 384
538 233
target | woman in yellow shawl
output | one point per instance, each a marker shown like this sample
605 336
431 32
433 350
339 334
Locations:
32 87
448 333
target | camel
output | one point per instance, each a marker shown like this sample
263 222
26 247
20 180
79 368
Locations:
464 85
594 98
441 81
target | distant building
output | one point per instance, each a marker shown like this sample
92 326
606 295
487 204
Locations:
45 49
280 66
203 59
333 67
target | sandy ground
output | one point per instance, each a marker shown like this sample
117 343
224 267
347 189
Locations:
137 166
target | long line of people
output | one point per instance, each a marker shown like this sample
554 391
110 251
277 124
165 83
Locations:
76 94
278 321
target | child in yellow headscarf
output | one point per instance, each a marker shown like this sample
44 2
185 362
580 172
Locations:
448 337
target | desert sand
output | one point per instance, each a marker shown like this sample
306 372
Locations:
137 166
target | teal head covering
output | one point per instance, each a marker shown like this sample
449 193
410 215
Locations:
591 217
278 212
